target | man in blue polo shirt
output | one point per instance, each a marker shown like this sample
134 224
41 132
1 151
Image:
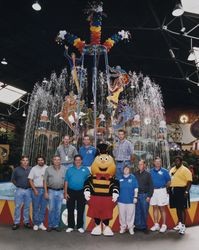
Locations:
74 193
161 180
87 152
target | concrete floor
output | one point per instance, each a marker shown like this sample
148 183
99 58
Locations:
25 239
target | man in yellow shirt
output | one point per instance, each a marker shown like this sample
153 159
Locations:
181 179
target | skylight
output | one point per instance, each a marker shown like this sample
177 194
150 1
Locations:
10 94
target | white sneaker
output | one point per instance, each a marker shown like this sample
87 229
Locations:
177 227
163 228
122 231
97 230
42 227
107 231
35 228
131 231
155 227
69 230
81 230
182 229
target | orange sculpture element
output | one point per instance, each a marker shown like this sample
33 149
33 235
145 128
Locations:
121 79
68 111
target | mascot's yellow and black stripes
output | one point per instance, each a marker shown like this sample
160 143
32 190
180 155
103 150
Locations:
101 190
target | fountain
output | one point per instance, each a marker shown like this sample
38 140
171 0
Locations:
120 100
113 100
149 132
43 131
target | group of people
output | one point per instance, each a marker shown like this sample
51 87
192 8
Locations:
70 169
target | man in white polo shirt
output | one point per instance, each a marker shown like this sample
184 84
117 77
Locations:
159 200
39 203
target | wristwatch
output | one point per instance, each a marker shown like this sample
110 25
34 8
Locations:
186 192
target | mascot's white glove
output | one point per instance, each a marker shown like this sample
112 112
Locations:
135 200
87 195
61 34
114 197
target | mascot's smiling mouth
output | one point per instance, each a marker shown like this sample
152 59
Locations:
103 169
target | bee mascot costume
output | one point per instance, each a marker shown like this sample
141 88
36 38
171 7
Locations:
101 191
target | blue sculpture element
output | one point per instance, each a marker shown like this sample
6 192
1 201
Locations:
125 113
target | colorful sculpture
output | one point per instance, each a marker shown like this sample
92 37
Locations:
68 110
95 13
121 79
73 62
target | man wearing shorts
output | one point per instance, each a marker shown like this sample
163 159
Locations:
181 178
161 180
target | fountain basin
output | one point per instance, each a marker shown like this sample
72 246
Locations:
7 190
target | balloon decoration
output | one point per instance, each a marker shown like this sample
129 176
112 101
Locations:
121 35
95 13
95 18
71 40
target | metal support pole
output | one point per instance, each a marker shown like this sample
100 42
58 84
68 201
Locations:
94 90
79 98
92 50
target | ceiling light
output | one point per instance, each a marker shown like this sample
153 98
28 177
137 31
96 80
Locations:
183 30
184 118
191 56
191 6
24 113
178 10
194 54
171 53
4 62
36 6
44 80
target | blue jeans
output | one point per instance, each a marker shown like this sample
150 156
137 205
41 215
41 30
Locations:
39 204
141 212
119 168
55 204
22 197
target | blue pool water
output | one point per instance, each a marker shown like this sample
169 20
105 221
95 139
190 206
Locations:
194 193
7 190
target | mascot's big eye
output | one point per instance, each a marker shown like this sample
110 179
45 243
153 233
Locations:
106 158
101 158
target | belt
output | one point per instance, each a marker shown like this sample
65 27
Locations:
40 187
159 187
56 189
24 187
122 161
